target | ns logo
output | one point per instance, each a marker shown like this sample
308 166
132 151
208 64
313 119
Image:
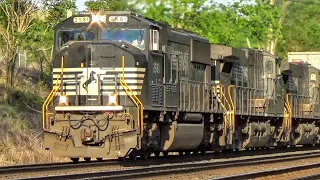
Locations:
91 79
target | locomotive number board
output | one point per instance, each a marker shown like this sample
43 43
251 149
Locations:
81 19
118 19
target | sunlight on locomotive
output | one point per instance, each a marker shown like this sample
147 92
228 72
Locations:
63 99
98 18
113 99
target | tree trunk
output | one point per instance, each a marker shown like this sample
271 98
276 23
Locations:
7 85
9 74
9 81
12 68
248 42
272 42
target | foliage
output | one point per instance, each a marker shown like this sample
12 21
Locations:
228 24
26 101
301 28
258 20
56 10
192 15
40 46
16 19
107 5
21 140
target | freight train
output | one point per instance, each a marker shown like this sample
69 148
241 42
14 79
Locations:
128 86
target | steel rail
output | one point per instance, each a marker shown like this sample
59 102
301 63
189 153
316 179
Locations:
7 170
310 177
161 170
69 165
273 172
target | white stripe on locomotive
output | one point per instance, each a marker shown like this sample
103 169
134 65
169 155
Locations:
107 77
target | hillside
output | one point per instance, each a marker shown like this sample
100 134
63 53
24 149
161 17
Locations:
21 134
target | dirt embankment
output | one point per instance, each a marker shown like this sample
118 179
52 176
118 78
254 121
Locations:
21 134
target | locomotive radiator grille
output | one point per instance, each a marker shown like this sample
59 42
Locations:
86 80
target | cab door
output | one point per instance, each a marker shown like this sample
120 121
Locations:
171 79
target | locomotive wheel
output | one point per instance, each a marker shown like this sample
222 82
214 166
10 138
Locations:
87 159
99 159
75 160
187 153
133 155
122 158
165 153
157 154
145 155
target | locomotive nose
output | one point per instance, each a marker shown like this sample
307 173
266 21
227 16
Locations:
99 83
92 73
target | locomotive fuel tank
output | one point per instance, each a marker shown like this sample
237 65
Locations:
178 136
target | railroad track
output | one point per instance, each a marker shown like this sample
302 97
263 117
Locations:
276 172
20 170
16 171
310 177
180 168
29 167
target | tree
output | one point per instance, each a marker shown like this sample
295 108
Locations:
17 16
40 46
56 10
107 5
301 29
178 13
216 22
258 22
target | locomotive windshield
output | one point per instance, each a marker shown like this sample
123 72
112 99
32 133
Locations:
75 35
133 36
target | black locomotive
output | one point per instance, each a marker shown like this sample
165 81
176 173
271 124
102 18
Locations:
125 85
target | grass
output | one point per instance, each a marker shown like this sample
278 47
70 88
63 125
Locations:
21 136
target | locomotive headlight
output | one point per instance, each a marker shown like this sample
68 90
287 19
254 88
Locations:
102 19
98 18
63 100
113 99
95 18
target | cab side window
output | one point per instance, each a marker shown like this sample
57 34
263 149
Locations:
74 35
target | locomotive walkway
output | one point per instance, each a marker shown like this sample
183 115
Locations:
115 169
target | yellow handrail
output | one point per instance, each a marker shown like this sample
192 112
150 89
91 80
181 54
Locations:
289 111
134 99
46 104
50 97
232 105
62 65
224 107
224 96
229 113
215 93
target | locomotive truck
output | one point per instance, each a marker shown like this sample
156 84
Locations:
127 86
